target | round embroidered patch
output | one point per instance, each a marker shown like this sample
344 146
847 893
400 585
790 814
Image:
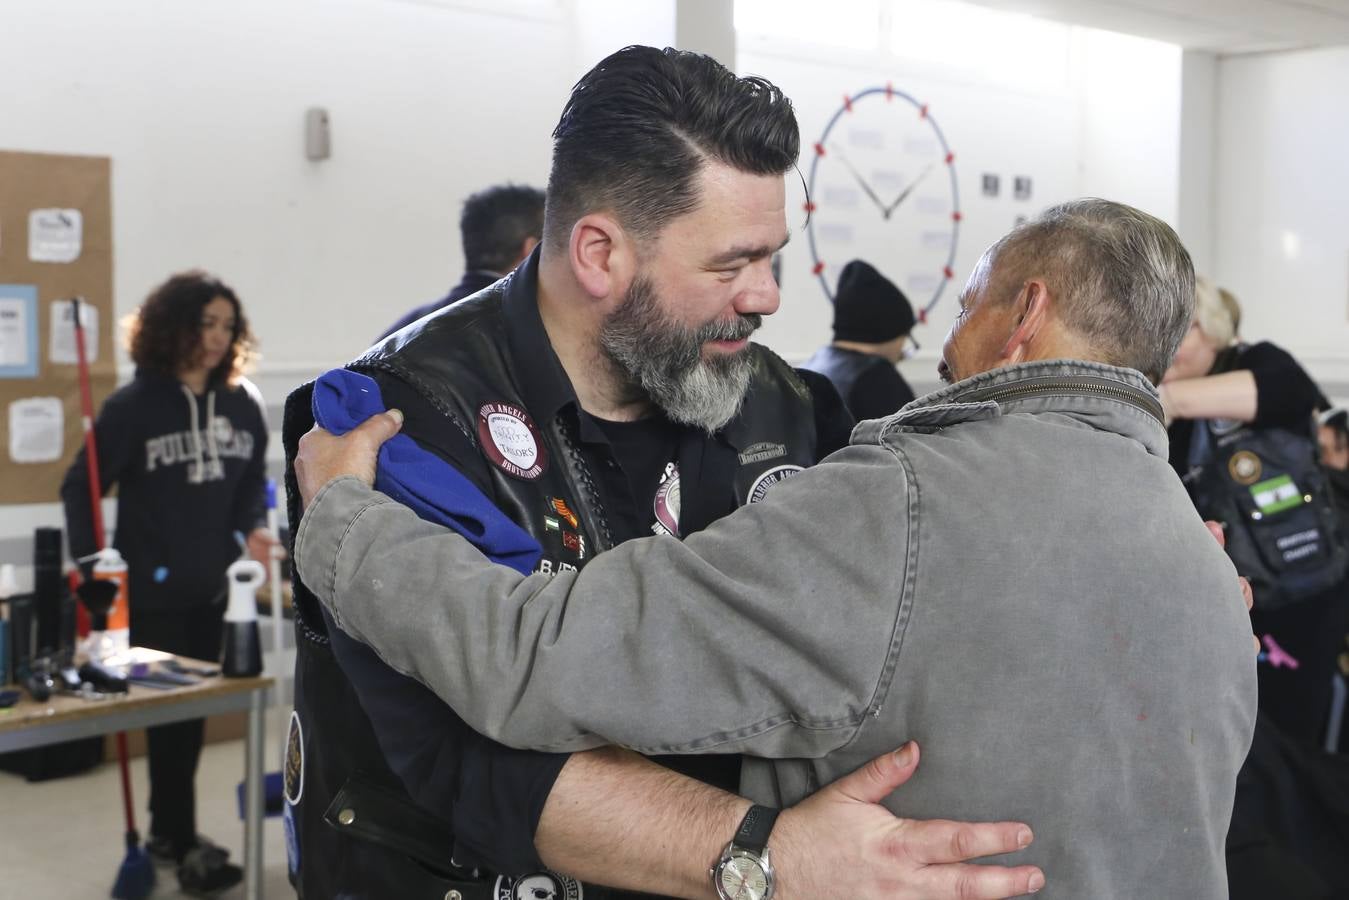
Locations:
294 770
759 489
1244 467
545 885
667 505
511 441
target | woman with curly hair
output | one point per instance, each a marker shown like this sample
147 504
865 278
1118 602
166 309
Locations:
185 442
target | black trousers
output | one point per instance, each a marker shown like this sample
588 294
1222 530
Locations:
174 750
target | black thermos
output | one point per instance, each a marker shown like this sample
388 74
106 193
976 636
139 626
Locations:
48 590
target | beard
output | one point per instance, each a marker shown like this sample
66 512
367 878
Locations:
665 359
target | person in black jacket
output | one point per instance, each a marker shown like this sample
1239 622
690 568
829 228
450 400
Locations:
872 321
185 442
500 226
1230 384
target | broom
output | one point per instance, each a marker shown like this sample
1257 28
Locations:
136 876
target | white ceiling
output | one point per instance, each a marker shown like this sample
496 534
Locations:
1220 26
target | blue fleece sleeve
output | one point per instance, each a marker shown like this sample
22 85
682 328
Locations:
421 480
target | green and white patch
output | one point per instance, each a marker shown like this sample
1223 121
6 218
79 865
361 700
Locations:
1276 494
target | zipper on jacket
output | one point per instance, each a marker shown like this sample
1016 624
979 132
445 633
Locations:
1084 385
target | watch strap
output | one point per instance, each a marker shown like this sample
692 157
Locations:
752 835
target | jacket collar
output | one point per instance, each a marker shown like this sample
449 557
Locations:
1108 398
544 385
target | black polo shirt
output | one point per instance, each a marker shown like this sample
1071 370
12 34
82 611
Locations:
493 789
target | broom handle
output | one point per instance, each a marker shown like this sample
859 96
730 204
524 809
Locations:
87 420
128 807
96 504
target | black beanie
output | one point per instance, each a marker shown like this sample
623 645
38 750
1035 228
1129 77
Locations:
868 307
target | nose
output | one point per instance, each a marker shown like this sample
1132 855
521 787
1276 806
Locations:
762 296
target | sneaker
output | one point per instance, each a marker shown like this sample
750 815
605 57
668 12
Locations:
206 871
161 851
211 850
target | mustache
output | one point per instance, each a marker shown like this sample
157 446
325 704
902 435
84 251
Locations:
737 329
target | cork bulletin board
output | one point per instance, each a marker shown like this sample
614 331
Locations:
55 243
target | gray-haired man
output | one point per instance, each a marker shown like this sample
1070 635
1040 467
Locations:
1007 572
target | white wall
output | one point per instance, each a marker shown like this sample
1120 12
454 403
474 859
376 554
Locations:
1105 121
1198 120
1131 104
706 26
1282 203
200 106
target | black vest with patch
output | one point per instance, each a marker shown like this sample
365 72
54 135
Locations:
460 361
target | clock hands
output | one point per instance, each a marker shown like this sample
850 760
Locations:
908 190
886 211
860 181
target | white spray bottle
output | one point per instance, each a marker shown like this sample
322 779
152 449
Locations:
241 655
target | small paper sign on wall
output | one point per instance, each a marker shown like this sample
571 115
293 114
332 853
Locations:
36 430
62 349
18 331
55 235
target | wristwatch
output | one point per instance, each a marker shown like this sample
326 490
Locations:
745 871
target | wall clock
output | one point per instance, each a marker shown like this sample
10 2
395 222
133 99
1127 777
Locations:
882 188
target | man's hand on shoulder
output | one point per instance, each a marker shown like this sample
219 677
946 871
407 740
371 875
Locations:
322 456
840 842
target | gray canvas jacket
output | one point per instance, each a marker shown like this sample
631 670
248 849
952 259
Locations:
1007 571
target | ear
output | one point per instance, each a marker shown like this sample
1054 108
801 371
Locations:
1032 308
601 256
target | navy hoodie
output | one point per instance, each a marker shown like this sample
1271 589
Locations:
190 472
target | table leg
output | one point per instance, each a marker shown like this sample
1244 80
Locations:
1339 692
253 794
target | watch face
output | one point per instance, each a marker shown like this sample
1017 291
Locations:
743 878
882 188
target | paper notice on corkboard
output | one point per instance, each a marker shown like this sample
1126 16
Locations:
36 430
56 222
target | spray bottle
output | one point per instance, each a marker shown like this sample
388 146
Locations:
111 567
241 655
104 595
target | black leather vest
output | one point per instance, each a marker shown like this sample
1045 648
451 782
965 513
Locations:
460 360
